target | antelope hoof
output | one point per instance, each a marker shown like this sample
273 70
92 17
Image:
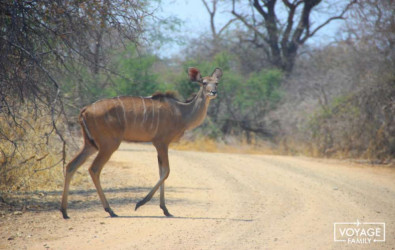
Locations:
142 202
64 213
112 214
166 212
139 204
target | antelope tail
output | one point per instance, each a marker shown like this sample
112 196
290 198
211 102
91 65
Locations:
85 129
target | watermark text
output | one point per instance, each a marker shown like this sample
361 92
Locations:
359 232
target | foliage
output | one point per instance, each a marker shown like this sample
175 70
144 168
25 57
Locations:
340 104
242 102
87 88
248 100
336 100
31 155
347 128
58 56
136 74
41 40
50 51
261 89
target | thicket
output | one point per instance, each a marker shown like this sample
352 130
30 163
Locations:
42 43
341 97
29 154
333 100
340 103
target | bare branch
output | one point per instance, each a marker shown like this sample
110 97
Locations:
42 40
341 16
260 9
206 5
226 26
244 21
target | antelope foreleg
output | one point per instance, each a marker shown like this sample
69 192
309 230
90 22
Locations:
153 190
162 204
164 170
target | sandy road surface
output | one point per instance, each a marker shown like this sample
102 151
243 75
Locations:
220 201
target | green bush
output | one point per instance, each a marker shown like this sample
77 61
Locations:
136 74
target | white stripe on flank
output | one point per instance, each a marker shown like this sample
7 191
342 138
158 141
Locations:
116 111
157 123
134 110
145 111
124 113
153 113
94 112
105 116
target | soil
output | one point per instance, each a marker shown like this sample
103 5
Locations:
219 201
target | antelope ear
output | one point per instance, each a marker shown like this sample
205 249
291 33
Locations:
194 74
217 73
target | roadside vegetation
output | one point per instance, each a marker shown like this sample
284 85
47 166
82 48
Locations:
280 93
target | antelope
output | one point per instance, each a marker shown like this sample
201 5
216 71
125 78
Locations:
160 119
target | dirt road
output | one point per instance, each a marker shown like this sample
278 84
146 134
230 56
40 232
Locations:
220 201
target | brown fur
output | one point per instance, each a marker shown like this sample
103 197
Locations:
158 119
162 96
194 74
190 98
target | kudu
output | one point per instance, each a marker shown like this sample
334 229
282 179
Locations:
160 119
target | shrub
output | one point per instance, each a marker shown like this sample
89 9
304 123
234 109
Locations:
30 152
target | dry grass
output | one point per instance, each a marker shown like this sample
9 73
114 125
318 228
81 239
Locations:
31 165
284 147
209 145
30 154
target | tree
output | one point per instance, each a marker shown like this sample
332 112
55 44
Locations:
42 41
280 40
248 101
39 36
371 23
340 98
39 39
215 33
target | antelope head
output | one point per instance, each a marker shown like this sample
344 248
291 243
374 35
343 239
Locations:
208 83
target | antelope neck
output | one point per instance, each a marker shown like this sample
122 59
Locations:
194 112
